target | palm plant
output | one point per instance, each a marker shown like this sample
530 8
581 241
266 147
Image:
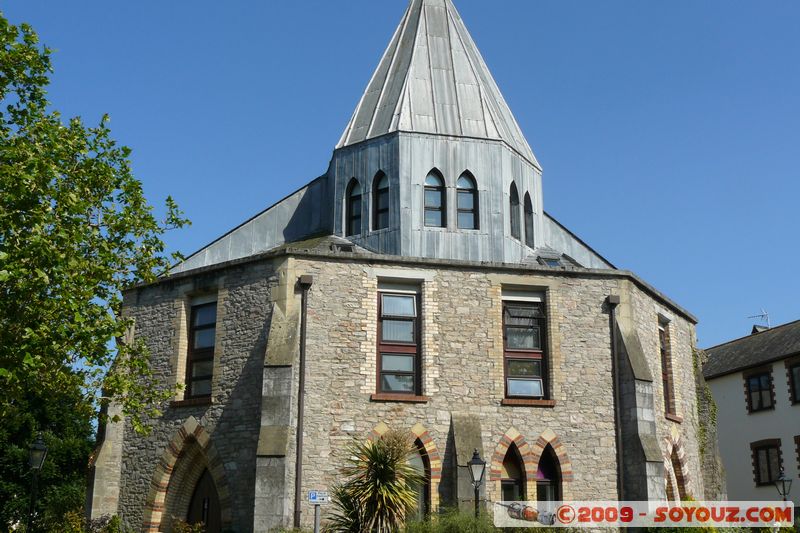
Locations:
381 486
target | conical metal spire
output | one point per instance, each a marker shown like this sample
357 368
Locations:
432 79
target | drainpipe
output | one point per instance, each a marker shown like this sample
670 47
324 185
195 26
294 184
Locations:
613 302
305 284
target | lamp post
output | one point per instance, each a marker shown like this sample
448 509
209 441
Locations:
36 455
477 468
784 485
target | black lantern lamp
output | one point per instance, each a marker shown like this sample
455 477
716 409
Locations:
784 485
477 469
37 452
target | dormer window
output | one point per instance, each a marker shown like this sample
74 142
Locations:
529 239
514 211
435 201
467 202
380 202
353 209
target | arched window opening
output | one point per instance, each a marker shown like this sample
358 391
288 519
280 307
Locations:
548 477
467 203
420 462
204 506
514 211
529 238
353 208
380 201
435 200
512 476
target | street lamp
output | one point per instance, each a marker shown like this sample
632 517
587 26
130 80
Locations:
37 452
784 485
477 468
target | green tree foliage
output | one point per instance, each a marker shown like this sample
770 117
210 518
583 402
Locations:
75 229
381 487
64 418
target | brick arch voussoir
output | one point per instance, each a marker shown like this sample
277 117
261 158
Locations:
548 437
500 451
434 457
189 434
674 444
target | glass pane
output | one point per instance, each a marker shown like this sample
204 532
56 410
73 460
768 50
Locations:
205 314
753 384
383 183
383 220
766 398
433 218
201 387
398 305
433 198
466 221
383 199
523 338
755 400
545 491
433 180
204 338
524 368
763 466
397 363
355 189
465 183
355 206
523 311
202 368
774 464
796 382
355 226
525 387
765 382
511 491
397 383
466 200
398 331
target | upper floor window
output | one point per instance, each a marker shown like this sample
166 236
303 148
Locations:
399 343
435 200
467 202
793 369
353 208
523 349
380 201
529 239
514 211
766 457
760 392
200 362
666 367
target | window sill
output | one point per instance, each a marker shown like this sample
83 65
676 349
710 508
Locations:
192 402
520 402
674 418
763 410
403 398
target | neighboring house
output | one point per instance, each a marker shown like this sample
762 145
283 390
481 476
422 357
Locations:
438 298
755 382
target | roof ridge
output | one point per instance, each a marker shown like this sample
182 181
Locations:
775 328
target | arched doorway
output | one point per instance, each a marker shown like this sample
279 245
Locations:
420 462
204 506
512 476
548 477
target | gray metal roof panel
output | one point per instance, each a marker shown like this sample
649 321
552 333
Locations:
426 82
754 350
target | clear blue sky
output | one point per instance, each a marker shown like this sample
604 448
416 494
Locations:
669 132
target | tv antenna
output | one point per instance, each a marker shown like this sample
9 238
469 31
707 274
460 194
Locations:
763 316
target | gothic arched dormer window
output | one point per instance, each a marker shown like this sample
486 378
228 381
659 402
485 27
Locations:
353 209
514 211
435 200
467 204
380 201
529 238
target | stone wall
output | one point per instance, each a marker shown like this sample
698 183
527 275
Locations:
462 353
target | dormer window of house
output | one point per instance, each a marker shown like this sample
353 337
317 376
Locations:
353 208
514 211
435 201
467 202
380 201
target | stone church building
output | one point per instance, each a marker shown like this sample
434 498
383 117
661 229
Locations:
419 285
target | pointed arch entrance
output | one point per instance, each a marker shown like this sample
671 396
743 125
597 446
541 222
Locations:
676 479
189 477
